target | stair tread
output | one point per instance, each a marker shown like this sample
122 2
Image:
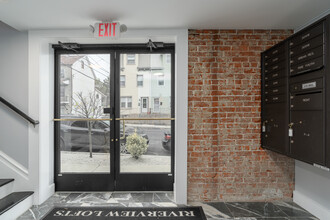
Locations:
12 199
5 181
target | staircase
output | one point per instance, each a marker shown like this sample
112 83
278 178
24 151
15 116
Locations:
13 204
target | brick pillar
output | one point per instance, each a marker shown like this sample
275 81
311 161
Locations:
225 158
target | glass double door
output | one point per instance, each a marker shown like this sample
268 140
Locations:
114 119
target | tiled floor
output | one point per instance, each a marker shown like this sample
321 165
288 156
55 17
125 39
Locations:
215 210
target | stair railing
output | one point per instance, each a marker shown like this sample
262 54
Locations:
22 114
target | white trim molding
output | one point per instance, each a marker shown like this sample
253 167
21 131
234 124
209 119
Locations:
311 205
14 165
10 168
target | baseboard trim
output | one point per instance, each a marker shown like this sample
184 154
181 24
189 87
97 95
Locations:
311 205
14 165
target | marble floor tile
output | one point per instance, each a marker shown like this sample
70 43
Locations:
71 197
142 197
273 218
90 198
222 208
254 209
135 204
122 197
292 210
163 197
165 204
303 218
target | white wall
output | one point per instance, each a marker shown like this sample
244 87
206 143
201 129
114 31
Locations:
41 100
312 185
312 189
14 88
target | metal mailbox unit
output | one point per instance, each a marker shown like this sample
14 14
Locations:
275 113
303 112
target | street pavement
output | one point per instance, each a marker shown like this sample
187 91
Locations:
155 134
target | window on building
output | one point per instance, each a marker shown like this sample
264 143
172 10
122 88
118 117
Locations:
126 102
129 102
168 58
156 104
139 80
122 80
144 103
62 90
62 73
131 59
161 80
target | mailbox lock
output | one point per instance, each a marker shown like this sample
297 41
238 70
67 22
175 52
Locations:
290 129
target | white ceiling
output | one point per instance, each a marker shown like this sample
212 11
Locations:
193 14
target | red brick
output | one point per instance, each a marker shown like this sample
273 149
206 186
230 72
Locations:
225 159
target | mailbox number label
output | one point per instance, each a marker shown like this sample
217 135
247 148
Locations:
309 85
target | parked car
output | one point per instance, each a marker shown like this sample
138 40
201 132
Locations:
74 134
167 141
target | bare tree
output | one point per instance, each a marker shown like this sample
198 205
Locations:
88 107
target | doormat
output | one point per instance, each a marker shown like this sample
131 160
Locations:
125 213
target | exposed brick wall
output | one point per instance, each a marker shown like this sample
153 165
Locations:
225 158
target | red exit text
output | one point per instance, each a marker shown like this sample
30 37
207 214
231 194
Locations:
107 29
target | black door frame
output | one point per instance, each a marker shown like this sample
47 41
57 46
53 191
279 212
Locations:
114 180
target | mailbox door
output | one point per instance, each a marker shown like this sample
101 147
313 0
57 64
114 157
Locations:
307 143
275 137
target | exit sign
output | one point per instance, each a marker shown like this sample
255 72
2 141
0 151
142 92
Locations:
107 30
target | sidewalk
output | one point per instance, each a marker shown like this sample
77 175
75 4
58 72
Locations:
80 162
148 126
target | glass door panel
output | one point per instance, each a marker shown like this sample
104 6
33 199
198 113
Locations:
145 118
84 131
146 147
85 150
84 86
